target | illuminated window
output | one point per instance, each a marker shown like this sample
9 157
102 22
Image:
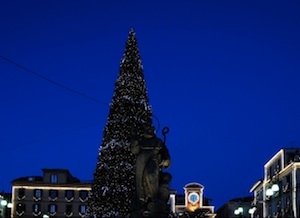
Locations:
82 209
21 193
53 178
36 209
52 209
38 194
53 194
83 195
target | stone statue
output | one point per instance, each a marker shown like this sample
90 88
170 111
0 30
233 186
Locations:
152 185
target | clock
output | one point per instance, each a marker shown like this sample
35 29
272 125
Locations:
193 197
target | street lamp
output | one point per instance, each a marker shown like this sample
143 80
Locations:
269 192
3 203
239 211
275 187
252 211
272 190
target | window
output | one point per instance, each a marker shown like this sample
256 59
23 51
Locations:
52 209
82 209
287 184
69 195
53 194
53 178
69 211
20 210
269 173
278 165
37 194
21 193
36 209
83 195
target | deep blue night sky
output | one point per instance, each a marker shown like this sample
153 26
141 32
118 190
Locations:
224 76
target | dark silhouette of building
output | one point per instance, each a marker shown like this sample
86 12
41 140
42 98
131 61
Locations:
237 207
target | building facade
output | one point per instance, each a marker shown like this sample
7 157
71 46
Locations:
58 194
55 194
192 201
258 197
278 193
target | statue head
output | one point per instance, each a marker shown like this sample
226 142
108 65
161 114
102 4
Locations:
149 131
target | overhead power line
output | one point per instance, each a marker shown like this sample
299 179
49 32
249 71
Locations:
63 86
52 81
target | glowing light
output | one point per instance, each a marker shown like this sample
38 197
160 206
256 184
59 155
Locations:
252 210
3 202
241 210
193 198
238 211
275 188
269 192
78 188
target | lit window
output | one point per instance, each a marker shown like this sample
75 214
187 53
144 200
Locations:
53 178
52 209
37 194
36 209
69 195
82 209
21 193
83 195
53 194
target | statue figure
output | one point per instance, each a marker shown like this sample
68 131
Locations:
152 185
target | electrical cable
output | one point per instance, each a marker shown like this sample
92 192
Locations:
65 87
52 81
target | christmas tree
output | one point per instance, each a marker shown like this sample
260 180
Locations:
113 185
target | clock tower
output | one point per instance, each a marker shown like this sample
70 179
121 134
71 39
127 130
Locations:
193 196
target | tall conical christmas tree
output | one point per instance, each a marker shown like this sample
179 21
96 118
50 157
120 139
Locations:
114 177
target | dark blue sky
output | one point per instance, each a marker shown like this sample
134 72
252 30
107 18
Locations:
224 76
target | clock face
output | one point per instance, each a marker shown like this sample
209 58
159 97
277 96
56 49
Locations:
193 197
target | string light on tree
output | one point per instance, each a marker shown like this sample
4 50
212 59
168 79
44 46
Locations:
113 184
